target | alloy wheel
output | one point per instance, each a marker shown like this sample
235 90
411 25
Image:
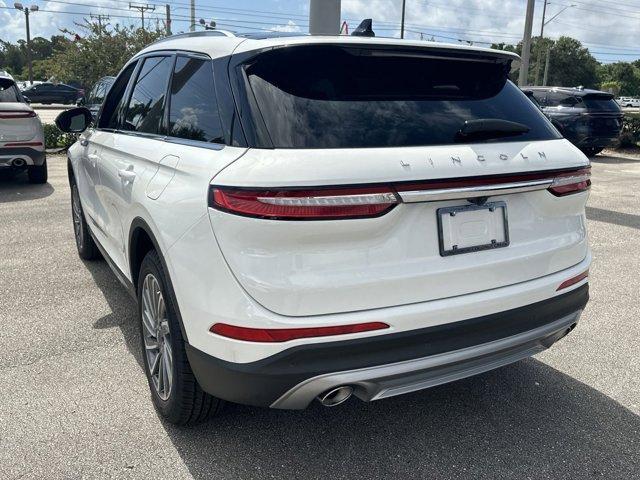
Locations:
157 338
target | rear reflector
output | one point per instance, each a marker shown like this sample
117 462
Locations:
571 182
305 204
573 280
275 335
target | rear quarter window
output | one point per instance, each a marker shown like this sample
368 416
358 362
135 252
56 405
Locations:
9 92
346 97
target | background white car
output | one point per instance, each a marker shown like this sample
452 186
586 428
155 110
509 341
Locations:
21 134
628 102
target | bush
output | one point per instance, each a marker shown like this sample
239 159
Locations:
630 130
56 138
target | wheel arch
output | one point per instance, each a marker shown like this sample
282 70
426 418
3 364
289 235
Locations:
141 241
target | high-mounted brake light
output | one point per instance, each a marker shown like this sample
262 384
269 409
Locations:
276 335
571 182
573 280
304 204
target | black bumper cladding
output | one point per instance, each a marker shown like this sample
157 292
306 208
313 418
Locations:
264 382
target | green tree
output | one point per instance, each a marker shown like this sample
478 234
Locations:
570 64
625 74
96 53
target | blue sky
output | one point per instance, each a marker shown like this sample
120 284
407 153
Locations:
610 28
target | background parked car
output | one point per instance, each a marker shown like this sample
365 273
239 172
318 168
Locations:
628 102
590 119
53 93
21 134
96 95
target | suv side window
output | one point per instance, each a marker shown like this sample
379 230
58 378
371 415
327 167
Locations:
193 108
115 99
146 106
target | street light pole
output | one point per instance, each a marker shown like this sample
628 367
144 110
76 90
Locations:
192 27
404 6
33 8
539 57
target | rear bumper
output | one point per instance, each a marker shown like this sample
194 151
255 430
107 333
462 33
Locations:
30 156
387 365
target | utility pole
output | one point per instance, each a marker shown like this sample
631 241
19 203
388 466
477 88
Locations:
32 8
324 17
192 27
168 21
142 9
100 18
404 5
539 56
546 67
526 45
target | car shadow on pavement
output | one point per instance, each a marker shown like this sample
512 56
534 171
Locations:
16 188
123 307
613 160
525 420
611 216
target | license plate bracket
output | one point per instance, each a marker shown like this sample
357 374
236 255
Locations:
472 228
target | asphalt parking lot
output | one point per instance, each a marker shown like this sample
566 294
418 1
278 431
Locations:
74 399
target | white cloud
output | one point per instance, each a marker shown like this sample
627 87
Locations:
600 26
291 26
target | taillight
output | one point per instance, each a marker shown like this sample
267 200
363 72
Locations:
573 280
571 182
275 335
335 203
7 114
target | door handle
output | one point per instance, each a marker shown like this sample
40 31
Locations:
127 175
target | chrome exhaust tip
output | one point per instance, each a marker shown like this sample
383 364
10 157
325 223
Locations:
18 162
335 396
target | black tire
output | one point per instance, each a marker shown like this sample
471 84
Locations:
591 152
87 248
185 403
38 173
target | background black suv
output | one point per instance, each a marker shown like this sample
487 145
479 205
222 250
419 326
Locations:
590 119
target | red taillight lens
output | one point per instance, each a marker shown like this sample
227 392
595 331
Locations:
571 182
8 114
573 280
274 335
304 204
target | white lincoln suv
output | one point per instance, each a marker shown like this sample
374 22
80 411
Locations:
320 217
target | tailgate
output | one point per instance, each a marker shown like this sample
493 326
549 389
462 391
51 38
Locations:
17 122
338 265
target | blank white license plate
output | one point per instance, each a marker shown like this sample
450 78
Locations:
472 228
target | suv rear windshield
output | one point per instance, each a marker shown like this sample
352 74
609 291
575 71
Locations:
9 92
601 103
354 97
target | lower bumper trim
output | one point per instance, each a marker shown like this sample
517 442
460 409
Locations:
384 381
426 356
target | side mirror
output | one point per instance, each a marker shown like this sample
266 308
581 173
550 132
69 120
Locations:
26 99
81 101
74 120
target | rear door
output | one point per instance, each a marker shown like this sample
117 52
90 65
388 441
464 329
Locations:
130 155
366 191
